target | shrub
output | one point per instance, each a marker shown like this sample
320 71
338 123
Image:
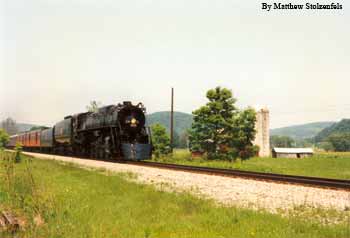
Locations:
160 140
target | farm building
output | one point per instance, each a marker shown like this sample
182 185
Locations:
292 152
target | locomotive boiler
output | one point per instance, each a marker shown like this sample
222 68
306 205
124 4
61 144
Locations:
114 131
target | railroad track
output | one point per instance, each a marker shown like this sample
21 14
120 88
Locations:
281 178
278 178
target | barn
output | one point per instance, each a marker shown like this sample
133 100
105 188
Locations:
292 152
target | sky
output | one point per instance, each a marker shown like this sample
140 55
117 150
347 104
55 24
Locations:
59 55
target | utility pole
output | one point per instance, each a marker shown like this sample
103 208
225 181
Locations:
172 121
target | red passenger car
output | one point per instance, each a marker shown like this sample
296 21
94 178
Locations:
30 139
33 139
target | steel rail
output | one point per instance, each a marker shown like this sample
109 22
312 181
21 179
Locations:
292 179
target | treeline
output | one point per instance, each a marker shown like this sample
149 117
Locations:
9 125
289 142
333 138
12 127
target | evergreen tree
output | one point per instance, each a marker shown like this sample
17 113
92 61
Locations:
220 129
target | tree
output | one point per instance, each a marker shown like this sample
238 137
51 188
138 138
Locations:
307 142
281 141
160 140
337 128
220 129
176 138
244 133
340 141
327 146
34 128
10 126
180 141
212 122
183 141
93 107
4 138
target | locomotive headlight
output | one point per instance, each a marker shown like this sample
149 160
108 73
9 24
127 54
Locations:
133 122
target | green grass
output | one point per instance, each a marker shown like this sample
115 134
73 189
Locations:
328 165
80 203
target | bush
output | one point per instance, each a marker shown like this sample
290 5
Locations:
160 140
249 151
4 138
18 152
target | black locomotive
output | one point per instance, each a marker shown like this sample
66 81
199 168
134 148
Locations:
115 131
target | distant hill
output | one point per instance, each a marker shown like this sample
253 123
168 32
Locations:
303 131
182 121
341 127
21 127
24 127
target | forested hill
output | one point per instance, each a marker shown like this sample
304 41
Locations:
24 127
182 121
21 127
338 128
303 131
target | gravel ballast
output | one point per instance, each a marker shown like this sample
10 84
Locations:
225 190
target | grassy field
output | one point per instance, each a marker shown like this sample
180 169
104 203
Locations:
328 165
72 202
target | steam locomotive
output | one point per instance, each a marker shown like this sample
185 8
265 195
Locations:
115 131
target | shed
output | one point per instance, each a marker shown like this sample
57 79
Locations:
292 152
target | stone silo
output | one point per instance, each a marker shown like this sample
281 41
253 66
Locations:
262 126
